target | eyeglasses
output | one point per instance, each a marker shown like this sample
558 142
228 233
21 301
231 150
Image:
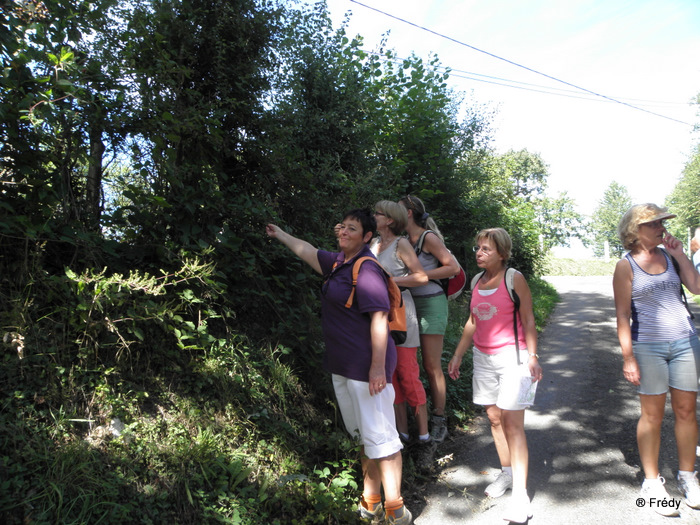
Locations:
380 213
485 250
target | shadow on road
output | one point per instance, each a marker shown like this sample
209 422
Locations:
584 465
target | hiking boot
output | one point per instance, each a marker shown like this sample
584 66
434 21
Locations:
375 514
424 456
439 430
691 489
503 482
400 516
518 509
654 489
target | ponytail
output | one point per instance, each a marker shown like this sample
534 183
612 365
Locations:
421 217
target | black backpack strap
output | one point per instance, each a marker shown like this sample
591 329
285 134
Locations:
421 240
516 308
677 267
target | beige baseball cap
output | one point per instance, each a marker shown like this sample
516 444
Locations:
656 216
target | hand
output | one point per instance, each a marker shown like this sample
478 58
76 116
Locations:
377 380
272 230
630 370
672 245
535 369
453 367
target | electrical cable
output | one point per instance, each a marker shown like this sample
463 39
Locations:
579 88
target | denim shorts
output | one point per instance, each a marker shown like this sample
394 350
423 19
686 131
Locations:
674 364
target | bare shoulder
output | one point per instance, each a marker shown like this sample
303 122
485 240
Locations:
405 244
623 267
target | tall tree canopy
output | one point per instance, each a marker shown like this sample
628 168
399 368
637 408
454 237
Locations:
684 200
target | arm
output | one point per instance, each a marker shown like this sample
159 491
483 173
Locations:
527 318
464 344
417 277
379 330
302 249
689 276
433 245
622 287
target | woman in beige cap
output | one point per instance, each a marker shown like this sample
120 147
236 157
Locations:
660 347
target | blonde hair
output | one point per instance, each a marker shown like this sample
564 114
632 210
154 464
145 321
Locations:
628 228
500 239
394 211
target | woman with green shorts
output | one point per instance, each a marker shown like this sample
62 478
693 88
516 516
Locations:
431 304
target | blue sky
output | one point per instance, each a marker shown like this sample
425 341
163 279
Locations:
643 52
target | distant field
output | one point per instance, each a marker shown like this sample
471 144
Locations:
579 267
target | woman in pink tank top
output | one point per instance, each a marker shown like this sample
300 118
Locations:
505 372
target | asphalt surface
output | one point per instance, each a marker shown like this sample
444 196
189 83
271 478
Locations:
584 465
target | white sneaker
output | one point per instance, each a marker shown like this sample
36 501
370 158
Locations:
691 489
503 482
518 509
654 489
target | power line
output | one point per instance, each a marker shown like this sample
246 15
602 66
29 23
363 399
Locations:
526 86
579 88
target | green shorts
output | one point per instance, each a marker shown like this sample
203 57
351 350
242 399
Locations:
432 314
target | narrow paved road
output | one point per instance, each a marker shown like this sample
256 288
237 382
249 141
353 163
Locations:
584 466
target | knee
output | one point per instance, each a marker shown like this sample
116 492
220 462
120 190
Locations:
652 420
685 415
494 418
513 429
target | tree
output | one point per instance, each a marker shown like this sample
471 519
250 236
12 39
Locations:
616 201
520 174
684 199
559 221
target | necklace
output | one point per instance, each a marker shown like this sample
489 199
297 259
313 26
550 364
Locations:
385 242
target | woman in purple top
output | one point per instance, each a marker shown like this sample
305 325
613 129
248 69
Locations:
361 356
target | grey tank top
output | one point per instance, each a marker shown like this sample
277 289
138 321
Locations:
392 263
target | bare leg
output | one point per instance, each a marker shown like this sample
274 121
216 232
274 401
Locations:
499 437
431 347
649 432
401 418
383 472
513 423
422 419
686 427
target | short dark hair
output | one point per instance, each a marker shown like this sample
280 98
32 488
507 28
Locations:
366 219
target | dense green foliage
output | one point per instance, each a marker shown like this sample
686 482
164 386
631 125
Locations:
162 357
683 200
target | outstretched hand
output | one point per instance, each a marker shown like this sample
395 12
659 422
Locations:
272 230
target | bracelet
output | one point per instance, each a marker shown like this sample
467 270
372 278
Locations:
533 355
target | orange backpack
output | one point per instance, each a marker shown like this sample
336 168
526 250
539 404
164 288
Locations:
397 310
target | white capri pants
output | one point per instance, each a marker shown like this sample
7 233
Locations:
371 419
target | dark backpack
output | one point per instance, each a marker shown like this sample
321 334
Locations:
509 278
452 286
397 310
